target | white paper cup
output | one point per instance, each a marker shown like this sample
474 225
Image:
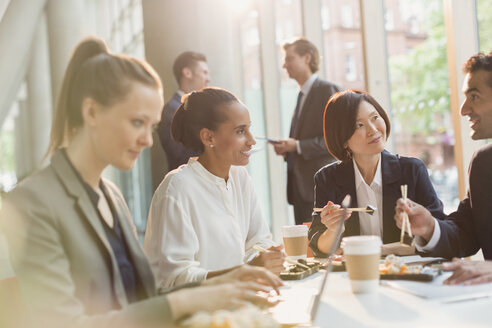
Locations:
362 255
295 241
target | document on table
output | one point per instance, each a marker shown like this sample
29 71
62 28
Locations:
435 290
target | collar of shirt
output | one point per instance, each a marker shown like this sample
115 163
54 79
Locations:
203 172
180 93
377 181
306 87
93 195
373 195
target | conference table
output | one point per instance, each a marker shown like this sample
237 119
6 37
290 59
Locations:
390 306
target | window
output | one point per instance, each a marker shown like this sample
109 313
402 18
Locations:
288 26
414 25
484 16
8 176
389 20
253 98
350 68
347 16
325 18
340 65
421 116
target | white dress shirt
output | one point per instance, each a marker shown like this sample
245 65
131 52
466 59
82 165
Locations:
370 195
420 244
306 87
198 223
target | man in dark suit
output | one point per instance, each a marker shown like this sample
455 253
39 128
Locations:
468 229
191 72
305 150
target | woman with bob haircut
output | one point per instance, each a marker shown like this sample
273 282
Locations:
205 217
71 238
356 128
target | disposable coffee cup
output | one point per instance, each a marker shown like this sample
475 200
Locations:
295 241
362 254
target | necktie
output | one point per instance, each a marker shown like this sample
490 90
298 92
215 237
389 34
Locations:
296 115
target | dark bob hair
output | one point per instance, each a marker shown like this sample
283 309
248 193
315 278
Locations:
339 120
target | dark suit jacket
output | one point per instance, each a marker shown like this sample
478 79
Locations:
176 153
309 132
470 227
336 180
67 271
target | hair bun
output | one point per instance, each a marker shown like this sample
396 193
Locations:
185 99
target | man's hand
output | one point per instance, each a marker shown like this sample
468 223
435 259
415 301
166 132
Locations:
421 220
247 273
285 146
468 272
272 259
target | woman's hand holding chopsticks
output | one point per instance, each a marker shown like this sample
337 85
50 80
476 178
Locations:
331 215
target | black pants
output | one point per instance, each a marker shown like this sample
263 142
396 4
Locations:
303 211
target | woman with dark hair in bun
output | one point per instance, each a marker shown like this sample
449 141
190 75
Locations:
205 217
71 238
356 128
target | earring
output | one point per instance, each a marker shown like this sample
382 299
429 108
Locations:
211 146
349 153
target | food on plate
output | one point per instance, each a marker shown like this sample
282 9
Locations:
394 265
244 317
296 272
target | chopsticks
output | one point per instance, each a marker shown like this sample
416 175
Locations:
405 224
369 209
288 260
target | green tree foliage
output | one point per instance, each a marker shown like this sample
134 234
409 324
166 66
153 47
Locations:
484 15
419 79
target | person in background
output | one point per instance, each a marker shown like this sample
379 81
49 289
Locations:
191 72
305 150
356 131
469 229
71 239
205 217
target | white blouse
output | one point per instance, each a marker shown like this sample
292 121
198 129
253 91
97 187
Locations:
199 223
370 195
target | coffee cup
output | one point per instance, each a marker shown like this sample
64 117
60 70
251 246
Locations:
295 241
362 255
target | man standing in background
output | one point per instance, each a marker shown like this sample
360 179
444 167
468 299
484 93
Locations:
191 72
305 150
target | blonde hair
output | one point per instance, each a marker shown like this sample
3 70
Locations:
94 72
303 46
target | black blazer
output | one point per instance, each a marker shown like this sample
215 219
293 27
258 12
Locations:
309 132
470 227
336 180
176 153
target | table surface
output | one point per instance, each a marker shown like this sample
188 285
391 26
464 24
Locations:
390 307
